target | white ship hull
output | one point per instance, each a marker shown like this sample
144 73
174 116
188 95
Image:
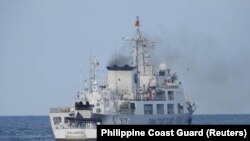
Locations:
149 119
91 134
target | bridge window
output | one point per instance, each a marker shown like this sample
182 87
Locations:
57 120
66 120
132 108
170 108
160 95
180 108
160 109
170 95
148 109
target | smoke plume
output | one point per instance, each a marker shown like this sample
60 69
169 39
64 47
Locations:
119 59
213 76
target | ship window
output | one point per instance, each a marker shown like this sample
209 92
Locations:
180 108
148 109
66 120
160 95
161 73
170 108
132 105
160 109
170 95
132 108
57 120
98 110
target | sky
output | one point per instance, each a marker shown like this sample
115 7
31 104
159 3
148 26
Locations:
45 46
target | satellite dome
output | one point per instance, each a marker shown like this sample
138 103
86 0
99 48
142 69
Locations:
163 66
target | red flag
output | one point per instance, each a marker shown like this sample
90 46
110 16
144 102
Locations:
149 94
137 22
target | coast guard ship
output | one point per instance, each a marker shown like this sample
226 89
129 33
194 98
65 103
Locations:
135 93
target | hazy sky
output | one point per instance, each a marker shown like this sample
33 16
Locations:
44 44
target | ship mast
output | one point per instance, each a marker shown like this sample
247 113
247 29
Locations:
141 58
93 68
138 43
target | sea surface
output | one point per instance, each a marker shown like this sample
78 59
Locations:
37 128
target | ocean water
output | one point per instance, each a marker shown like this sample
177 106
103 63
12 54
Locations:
37 128
25 128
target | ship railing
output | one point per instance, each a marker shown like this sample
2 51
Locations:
60 110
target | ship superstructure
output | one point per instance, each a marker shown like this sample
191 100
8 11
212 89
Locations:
135 93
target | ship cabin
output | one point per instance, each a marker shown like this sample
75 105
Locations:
79 117
146 94
166 101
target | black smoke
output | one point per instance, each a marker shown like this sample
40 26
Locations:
119 59
214 76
